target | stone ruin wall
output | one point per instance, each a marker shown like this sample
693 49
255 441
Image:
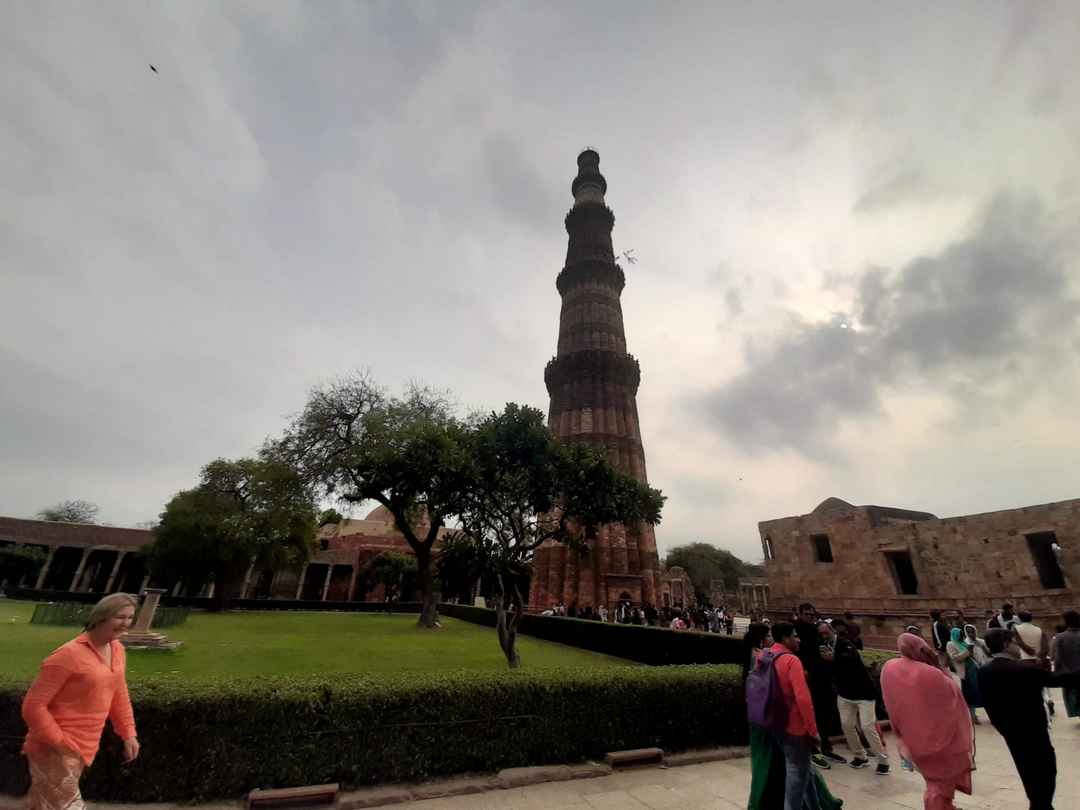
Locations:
971 563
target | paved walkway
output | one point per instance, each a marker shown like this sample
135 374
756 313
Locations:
725 785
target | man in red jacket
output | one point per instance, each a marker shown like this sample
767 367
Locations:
801 733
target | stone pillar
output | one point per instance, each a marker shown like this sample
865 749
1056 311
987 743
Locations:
140 636
247 582
40 583
352 581
79 570
300 583
115 570
146 613
326 583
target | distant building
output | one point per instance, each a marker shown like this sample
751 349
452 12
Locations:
890 566
750 597
78 556
88 558
676 589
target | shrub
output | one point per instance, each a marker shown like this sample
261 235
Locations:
647 645
219 741
207 603
72 614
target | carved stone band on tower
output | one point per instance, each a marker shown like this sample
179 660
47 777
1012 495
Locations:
593 385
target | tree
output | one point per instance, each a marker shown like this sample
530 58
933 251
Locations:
73 511
392 570
704 563
329 517
463 567
242 512
354 442
526 488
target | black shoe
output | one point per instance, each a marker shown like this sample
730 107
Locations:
835 757
859 762
882 769
820 761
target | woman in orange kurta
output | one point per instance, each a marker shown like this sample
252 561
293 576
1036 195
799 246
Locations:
79 686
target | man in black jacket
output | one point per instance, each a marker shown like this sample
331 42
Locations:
819 675
1012 693
855 700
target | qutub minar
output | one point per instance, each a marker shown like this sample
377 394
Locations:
593 384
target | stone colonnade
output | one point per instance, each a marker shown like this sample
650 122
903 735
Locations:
85 569
753 596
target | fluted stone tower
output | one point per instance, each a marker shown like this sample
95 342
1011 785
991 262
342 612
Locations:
593 384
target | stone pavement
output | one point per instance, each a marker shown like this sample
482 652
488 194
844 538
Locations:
726 785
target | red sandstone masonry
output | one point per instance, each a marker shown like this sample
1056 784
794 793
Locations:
970 563
593 386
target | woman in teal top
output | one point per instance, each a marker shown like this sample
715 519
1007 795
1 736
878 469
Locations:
964 665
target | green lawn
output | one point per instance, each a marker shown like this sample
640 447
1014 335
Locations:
244 644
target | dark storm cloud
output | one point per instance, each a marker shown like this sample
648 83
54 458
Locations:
517 187
983 305
303 189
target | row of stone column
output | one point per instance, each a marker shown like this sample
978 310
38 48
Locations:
753 596
303 579
87 551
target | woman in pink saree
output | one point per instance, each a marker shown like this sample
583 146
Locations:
931 721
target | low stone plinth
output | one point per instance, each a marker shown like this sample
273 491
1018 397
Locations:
307 796
634 757
145 640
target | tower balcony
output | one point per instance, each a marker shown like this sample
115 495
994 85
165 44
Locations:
593 365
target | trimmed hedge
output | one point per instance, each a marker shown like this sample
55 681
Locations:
71 614
205 742
205 603
657 646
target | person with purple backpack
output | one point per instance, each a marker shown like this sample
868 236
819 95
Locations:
781 718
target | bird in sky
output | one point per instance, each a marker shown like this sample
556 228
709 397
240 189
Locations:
628 255
153 68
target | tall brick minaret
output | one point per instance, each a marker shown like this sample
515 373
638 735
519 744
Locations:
593 384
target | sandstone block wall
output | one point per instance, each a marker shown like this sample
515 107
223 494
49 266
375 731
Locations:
971 563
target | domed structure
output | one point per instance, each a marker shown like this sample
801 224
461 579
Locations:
381 514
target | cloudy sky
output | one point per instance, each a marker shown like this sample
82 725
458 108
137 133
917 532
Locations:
856 227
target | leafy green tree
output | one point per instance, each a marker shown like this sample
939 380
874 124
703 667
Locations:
526 488
705 562
463 565
241 512
393 571
354 442
329 517
74 511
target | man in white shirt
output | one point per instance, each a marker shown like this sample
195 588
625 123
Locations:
1035 642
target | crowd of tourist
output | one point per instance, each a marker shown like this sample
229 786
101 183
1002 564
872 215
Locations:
806 681
705 619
